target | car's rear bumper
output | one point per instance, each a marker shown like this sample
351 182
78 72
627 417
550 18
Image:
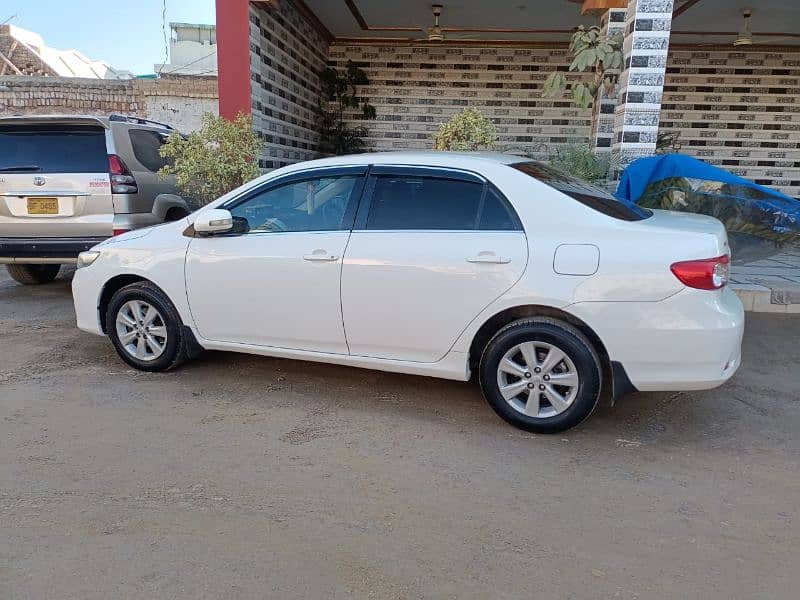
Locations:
690 341
31 250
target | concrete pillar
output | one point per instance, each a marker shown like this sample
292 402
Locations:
612 23
641 84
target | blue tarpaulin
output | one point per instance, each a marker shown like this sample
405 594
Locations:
758 219
646 171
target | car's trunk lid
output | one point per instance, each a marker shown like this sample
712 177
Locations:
54 180
697 236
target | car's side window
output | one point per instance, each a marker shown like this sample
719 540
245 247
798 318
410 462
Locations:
496 214
146 148
419 202
316 204
437 203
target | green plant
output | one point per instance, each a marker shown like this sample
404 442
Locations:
338 97
210 162
466 131
591 50
668 142
583 163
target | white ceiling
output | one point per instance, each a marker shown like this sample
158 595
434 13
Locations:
705 16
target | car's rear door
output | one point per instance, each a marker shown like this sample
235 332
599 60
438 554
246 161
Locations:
277 283
54 180
430 250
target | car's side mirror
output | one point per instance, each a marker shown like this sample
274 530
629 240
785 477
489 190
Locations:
215 220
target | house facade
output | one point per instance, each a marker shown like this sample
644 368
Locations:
719 77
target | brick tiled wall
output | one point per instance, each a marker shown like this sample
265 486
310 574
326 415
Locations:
179 101
286 53
415 88
738 110
25 60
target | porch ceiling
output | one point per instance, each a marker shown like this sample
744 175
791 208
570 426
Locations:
774 22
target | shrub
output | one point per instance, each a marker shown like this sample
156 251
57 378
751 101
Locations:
582 162
211 162
339 95
467 131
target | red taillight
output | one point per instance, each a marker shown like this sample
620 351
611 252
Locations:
706 274
122 180
120 231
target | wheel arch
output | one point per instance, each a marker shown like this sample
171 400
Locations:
111 287
499 320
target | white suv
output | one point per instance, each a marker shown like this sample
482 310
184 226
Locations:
69 182
432 264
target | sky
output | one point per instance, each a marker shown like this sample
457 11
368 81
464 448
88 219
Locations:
127 33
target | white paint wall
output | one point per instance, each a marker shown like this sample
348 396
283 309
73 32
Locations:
184 114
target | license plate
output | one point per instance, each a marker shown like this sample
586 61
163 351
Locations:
42 206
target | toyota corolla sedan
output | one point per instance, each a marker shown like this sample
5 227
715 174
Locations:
546 288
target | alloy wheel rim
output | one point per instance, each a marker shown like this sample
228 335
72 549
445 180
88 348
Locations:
141 330
538 379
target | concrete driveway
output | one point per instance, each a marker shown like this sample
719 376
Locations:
247 477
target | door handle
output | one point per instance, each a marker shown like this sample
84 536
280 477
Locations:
490 258
320 255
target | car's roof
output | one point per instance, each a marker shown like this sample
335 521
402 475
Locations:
68 119
429 158
102 120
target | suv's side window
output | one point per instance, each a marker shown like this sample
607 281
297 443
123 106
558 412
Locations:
436 203
317 204
146 146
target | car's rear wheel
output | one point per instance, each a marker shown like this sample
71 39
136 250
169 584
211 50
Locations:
145 328
541 375
33 274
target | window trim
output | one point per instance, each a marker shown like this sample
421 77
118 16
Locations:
445 173
359 171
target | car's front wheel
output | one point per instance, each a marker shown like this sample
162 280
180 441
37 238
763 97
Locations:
145 328
541 375
33 274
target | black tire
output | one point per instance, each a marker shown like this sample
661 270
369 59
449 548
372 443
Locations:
175 214
575 346
33 274
176 348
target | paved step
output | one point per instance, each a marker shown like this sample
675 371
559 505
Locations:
771 284
762 298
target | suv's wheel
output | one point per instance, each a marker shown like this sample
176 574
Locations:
145 328
541 375
33 274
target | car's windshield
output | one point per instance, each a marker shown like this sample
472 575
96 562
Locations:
584 192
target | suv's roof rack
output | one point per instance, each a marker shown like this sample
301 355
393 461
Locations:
138 120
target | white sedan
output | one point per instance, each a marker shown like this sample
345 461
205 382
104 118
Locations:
433 264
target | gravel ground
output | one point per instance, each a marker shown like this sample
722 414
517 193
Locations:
248 477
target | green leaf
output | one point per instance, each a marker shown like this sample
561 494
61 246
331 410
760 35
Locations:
465 131
210 162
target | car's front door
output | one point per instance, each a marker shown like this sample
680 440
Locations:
430 250
277 283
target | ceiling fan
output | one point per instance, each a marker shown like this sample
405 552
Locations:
746 37
435 33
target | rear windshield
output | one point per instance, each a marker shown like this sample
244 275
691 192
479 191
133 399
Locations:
52 149
584 192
